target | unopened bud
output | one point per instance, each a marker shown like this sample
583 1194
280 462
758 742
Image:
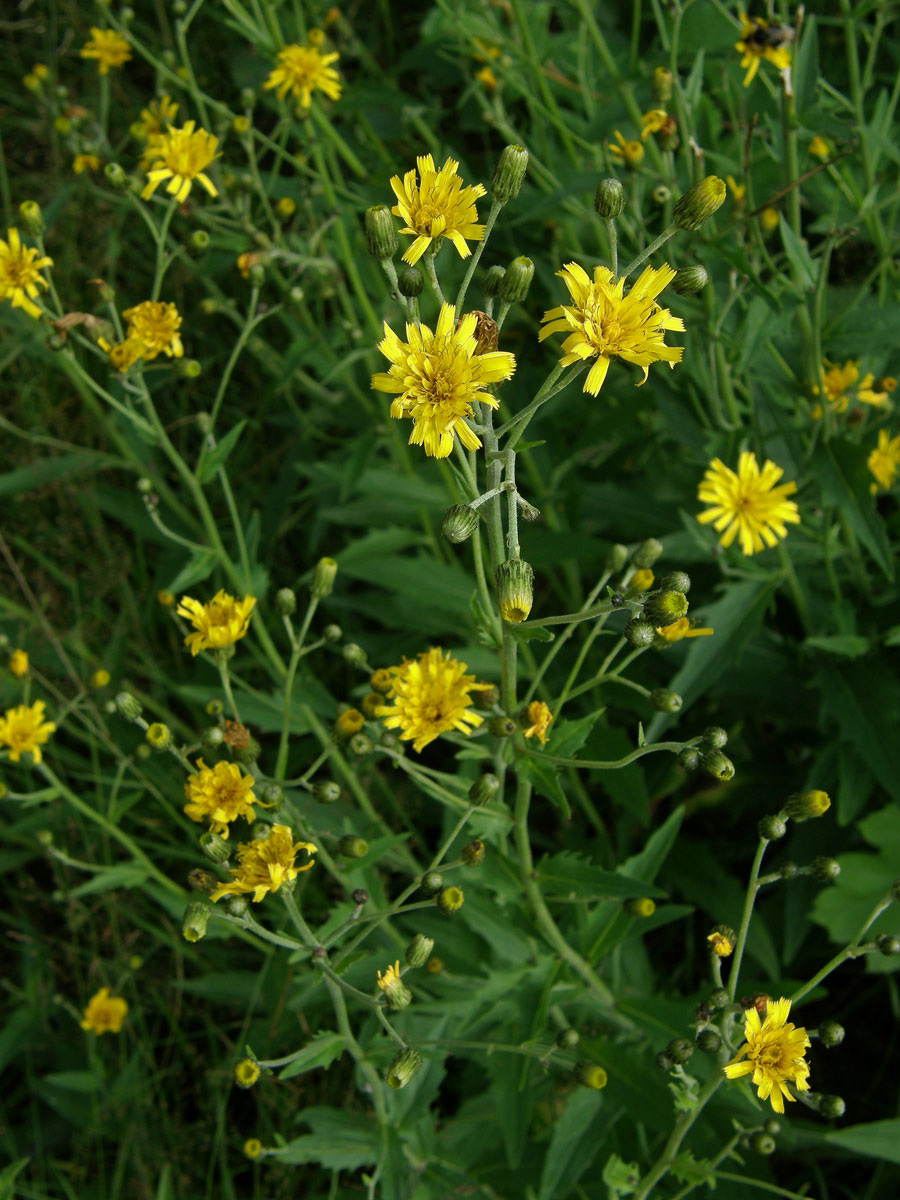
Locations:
237 906
509 174
332 633
517 280
719 998
762 1143
381 236
708 1041
354 655
116 176
410 282
665 608
567 1039
159 736
689 758
198 242
715 737
825 870
450 899
501 726
616 558
195 920
772 828
360 745
30 218
646 554
248 753
715 763
609 199
661 195
484 789
665 701
680 1050
803 806
699 203
492 281
675 581
887 945
590 1075
432 883
353 847
459 523
661 85
214 847
405 1065
419 950
639 633
663 1061
690 280
832 1106
640 906
128 706
788 870
831 1034
472 854
515 589
286 601
211 738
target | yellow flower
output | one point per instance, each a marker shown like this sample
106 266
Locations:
884 461
350 721
629 153
100 678
302 70
876 391
157 115
264 865
762 39
603 323
429 696
104 1013
487 79
774 1054
437 207
397 995
220 795
85 162
720 944
641 580
539 718
18 663
166 599
221 622
182 155
390 977
736 190
818 148
437 377
253 1147
24 730
682 629
246 1073
652 122
154 325
109 48
836 382
19 273
768 220
121 355
747 505
380 680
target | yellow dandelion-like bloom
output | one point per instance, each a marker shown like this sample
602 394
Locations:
18 663
819 148
154 325
631 154
100 678
487 79
736 191
221 622
876 392
768 220
604 324
182 154
773 1054
23 730
158 115
429 696
220 795
437 376
104 1013
85 162
682 628
761 39
652 121
246 1073
348 722
641 581
121 355
884 460
302 70
720 944
837 381
438 206
747 505
265 864
539 717
390 977
253 1148
107 47
20 276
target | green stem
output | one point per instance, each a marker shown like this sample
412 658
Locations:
613 765
749 900
852 950
479 250
159 272
648 250
284 743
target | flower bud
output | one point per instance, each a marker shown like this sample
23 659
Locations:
473 853
616 558
396 994
253 1148
789 870
609 199
100 678
665 608
646 554
360 745
824 869
405 1065
450 899
721 941
661 195
332 633
271 795
195 920
492 281
699 203
189 368
159 736
663 1061
211 739
198 242
772 828
516 281
665 701
509 174
485 695
689 758
484 789
689 280
202 881
831 1106
248 753
286 601
370 704
237 906
762 1143
887 945
661 85
30 218
803 806
640 906
639 633
246 1073
708 1041
675 581
354 655
116 176
128 706
501 726
715 738
590 1075
323 578
432 883
718 998
715 763
381 236
285 208
459 523
567 1039
410 282
515 589
214 847
419 950
680 1050
353 847
831 1034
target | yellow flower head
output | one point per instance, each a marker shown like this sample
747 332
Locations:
348 722
20 275
181 156
720 943
253 1148
18 663
762 39
653 121
747 505
158 115
604 324
109 48
641 581
104 1013
390 977
220 795
874 391
100 678
629 153
302 70
438 206
884 461
487 79
85 162
264 865
24 730
429 696
836 382
221 622
153 325
682 628
121 355
736 190
380 680
539 717
246 1073
773 1054
768 220
818 148
437 376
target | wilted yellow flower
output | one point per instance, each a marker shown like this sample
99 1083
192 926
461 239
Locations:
221 622
220 795
302 70
539 717
181 155
604 324
264 865
774 1054
104 1013
747 505
720 944
884 460
762 39
653 121
85 162
24 730
874 391
20 276
768 220
348 722
18 663
818 148
438 206
428 697
629 153
682 628
108 47
437 377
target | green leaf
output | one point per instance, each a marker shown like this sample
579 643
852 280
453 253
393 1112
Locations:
340 1140
47 470
210 460
8 1178
199 567
127 875
568 874
577 1138
84 1082
688 1169
840 469
846 645
320 1051
621 1177
567 738
531 633
798 256
878 1139
805 69
544 779
514 1104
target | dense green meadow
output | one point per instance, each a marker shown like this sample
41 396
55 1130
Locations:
449 614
